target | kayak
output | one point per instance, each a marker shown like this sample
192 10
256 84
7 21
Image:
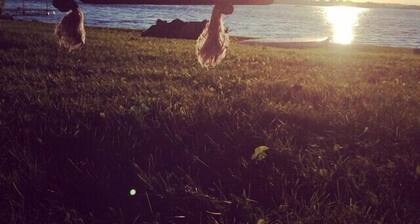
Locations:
288 42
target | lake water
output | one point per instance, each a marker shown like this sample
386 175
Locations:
344 25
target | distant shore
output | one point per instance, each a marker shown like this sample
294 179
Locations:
177 2
348 3
258 2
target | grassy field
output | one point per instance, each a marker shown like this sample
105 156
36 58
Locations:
79 130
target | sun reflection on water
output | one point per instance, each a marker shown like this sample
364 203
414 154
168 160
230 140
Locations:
343 19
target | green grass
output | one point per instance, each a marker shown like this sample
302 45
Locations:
79 130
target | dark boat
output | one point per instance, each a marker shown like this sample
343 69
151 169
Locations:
177 2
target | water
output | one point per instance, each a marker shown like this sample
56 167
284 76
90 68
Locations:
345 25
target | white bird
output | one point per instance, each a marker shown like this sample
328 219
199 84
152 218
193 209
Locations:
70 31
213 42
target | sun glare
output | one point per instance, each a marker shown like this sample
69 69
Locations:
343 19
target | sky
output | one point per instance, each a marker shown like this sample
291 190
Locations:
407 2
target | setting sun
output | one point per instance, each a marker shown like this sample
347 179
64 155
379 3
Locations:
343 19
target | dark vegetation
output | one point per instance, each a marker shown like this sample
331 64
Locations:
79 130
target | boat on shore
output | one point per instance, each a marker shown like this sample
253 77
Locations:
288 42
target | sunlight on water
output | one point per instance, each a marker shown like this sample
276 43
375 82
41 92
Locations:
343 19
375 26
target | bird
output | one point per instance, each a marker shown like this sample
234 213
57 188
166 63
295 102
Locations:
213 42
211 45
70 31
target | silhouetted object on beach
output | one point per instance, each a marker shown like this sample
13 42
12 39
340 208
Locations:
70 31
176 29
213 42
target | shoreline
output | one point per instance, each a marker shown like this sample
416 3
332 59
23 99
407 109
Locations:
379 35
236 39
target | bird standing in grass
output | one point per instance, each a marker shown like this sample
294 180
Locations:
70 31
211 45
213 42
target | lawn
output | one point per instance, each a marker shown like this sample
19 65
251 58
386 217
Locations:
133 130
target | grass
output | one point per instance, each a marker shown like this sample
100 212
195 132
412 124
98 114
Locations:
79 130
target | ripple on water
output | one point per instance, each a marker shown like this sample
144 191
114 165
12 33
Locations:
384 27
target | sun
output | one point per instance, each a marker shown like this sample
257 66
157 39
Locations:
343 19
